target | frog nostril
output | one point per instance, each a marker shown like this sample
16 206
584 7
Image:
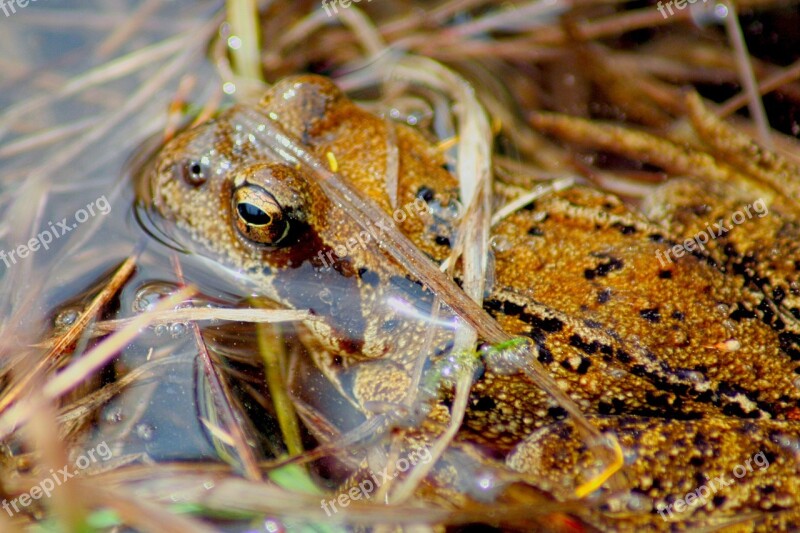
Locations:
191 171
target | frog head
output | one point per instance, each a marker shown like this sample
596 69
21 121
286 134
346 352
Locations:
255 212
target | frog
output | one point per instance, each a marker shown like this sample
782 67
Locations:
639 346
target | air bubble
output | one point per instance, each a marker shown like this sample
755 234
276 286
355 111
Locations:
790 442
449 213
273 526
145 431
67 317
114 415
501 244
150 294
326 296
178 329
692 375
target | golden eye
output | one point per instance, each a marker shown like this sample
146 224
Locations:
258 216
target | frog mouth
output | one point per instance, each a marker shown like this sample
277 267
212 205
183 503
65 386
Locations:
155 226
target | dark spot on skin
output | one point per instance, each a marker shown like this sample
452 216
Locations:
677 315
494 306
441 240
730 250
741 312
605 408
734 409
696 461
557 413
718 500
535 231
660 401
550 325
426 193
603 269
510 308
337 360
767 314
583 368
625 229
651 315
484 403
545 356
665 274
778 294
656 237
623 356
579 343
592 324
789 343
604 296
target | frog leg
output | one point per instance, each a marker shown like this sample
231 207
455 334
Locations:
609 282
732 467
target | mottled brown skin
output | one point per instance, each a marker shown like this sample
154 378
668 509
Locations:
762 249
641 348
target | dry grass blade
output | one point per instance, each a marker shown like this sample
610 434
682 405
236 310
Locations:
223 400
766 166
745 67
12 394
80 369
202 314
221 396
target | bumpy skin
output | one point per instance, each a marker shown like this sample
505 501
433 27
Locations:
647 350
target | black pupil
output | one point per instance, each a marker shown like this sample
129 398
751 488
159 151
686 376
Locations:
197 170
253 215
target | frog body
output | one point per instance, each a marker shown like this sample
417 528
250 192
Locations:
634 342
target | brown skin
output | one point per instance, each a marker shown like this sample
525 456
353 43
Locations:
637 345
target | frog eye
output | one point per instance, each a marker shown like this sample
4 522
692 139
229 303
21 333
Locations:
258 216
192 171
